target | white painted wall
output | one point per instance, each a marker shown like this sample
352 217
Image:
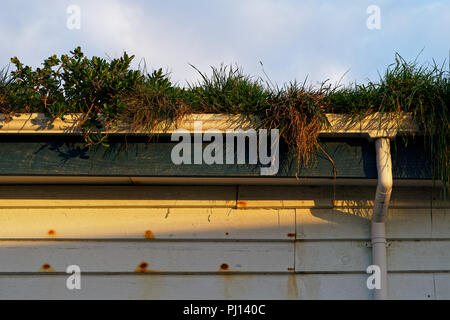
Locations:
217 242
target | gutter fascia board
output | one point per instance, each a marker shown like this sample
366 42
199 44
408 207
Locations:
340 125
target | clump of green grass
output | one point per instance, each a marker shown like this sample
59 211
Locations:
227 90
422 90
153 102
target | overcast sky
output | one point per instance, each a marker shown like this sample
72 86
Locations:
293 38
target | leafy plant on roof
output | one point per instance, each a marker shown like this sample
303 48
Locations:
74 84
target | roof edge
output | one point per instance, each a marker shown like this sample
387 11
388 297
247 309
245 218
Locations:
371 126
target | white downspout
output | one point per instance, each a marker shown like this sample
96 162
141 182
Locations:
380 208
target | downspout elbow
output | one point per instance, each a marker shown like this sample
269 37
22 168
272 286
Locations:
385 181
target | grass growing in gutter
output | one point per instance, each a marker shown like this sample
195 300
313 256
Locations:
110 91
406 86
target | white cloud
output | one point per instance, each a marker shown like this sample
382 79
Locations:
322 39
152 36
244 33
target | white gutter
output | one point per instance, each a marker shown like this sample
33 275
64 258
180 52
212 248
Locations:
204 180
380 208
374 125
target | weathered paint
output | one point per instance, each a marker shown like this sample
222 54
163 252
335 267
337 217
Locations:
136 157
354 223
355 256
146 223
75 196
222 286
164 256
164 242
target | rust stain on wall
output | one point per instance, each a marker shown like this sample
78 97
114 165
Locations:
292 289
142 267
46 267
224 267
242 204
149 235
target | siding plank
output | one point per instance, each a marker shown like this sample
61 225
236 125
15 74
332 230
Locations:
116 196
353 286
331 256
442 283
211 196
141 223
232 286
329 197
354 256
354 223
440 223
339 223
65 155
419 255
107 256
